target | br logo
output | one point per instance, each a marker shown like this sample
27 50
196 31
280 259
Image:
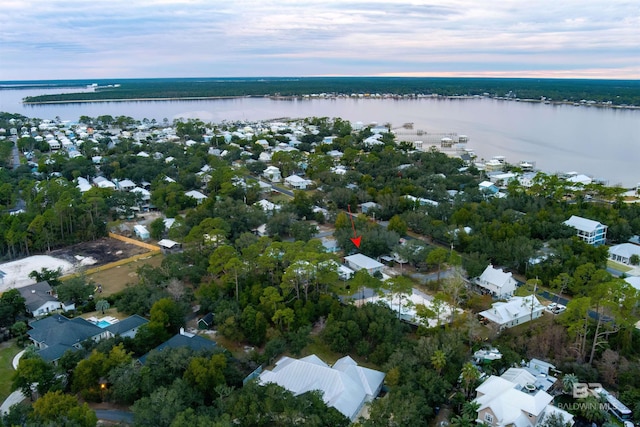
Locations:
581 390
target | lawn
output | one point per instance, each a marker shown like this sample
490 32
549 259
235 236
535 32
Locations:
618 266
8 350
116 279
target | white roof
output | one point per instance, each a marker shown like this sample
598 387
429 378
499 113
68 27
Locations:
83 184
583 224
517 307
195 194
625 250
143 192
140 228
126 183
633 281
167 243
296 179
345 386
363 261
508 400
266 205
495 276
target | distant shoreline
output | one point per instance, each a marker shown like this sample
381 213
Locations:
310 97
180 98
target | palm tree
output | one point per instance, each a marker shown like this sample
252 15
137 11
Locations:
102 305
438 360
568 381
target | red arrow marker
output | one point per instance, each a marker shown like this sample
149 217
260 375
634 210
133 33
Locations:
355 239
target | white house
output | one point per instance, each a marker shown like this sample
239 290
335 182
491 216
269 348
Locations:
195 194
592 232
514 400
516 311
40 299
345 386
267 206
496 282
102 182
299 183
623 252
83 185
272 173
362 262
125 185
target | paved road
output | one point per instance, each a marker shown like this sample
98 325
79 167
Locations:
13 399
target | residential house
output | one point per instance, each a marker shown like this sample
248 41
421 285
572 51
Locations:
496 282
195 194
516 311
420 201
488 188
125 185
592 232
623 252
345 386
267 206
54 335
41 300
126 328
168 246
184 339
102 182
83 184
362 262
297 182
330 244
272 173
369 206
206 321
514 400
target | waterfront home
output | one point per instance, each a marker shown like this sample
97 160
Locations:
591 232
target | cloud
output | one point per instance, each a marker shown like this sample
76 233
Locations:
153 38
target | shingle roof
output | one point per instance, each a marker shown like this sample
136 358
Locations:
36 295
195 343
58 329
126 325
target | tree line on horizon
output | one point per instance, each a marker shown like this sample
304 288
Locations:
618 92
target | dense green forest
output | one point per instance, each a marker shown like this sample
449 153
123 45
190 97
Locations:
618 92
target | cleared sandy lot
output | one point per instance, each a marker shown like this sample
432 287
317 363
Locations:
17 272
69 259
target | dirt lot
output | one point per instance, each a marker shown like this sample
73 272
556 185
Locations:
116 279
103 251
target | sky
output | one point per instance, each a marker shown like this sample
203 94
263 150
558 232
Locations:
83 39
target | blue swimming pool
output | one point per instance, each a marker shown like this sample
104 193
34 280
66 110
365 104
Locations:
103 323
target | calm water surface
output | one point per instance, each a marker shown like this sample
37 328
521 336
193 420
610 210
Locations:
604 143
